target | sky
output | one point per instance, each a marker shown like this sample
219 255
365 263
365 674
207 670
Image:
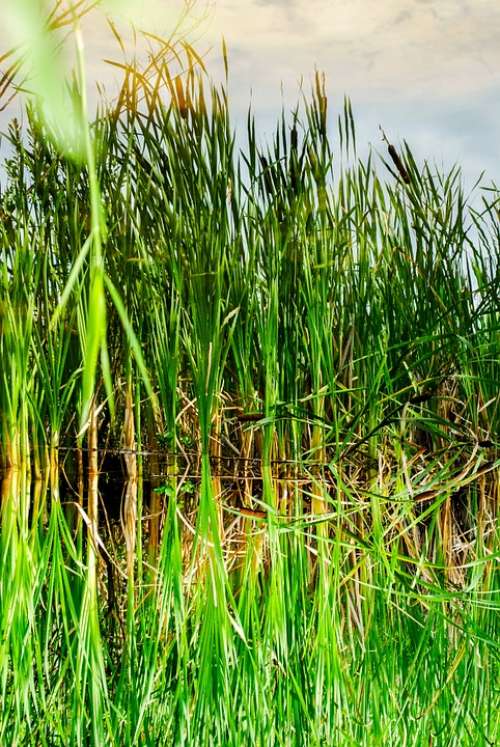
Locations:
428 71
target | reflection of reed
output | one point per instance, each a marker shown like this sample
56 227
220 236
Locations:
155 502
93 495
10 494
129 513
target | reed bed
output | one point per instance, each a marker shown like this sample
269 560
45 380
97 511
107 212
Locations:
249 412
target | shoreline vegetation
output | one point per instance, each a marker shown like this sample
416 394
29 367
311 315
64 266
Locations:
249 413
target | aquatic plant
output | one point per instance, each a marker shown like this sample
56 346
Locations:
249 434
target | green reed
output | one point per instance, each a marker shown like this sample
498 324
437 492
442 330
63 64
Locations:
296 357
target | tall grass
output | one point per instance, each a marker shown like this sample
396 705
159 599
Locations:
269 516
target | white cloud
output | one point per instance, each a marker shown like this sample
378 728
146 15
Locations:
447 47
407 62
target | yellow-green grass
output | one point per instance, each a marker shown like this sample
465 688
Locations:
294 365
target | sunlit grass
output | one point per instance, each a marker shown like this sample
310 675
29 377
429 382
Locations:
249 419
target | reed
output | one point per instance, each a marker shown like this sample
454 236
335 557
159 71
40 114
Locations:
265 383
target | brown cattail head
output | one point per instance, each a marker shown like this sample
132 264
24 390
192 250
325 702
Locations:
182 101
252 514
266 174
398 163
250 417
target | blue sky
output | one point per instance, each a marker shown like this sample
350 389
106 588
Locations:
426 70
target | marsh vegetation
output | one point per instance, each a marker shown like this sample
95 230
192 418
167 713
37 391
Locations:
249 411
